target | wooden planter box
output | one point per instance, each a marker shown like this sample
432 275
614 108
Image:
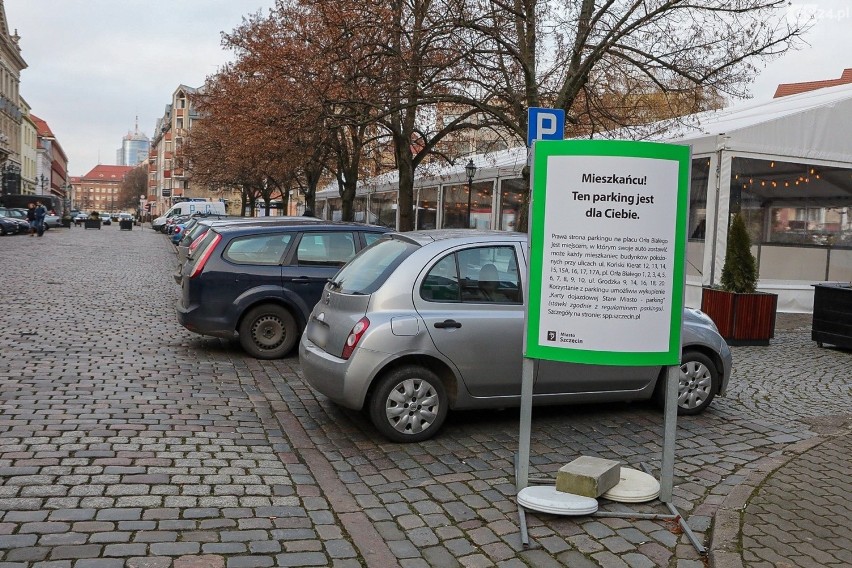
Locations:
92 224
125 225
742 319
66 223
832 321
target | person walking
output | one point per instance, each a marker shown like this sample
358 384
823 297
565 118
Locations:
40 213
31 218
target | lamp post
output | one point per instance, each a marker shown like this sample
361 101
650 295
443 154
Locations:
470 170
66 201
42 181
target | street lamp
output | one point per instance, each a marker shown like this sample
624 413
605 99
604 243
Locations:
42 181
470 170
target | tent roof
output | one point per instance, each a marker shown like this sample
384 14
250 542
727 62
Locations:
816 125
811 125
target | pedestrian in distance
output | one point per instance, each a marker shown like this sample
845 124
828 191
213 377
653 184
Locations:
40 212
31 217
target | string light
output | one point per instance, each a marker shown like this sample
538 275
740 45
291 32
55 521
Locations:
798 180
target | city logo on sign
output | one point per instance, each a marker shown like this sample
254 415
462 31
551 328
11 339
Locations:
545 124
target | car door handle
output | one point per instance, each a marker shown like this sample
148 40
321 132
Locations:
447 324
301 280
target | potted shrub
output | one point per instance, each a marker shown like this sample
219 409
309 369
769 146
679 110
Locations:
94 221
743 315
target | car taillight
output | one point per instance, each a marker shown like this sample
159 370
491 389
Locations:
354 337
194 244
199 266
177 229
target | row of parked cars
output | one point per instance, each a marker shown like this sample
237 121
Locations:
406 326
105 217
13 221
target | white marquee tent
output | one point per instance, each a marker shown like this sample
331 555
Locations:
808 130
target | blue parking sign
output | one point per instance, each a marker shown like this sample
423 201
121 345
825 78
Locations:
545 124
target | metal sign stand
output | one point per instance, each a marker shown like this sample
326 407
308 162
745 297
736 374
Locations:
522 478
522 458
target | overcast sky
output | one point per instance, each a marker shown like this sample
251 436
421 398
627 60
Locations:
95 65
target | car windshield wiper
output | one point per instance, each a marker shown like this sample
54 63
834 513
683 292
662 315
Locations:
335 284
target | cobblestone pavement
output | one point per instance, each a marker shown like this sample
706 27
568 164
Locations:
126 441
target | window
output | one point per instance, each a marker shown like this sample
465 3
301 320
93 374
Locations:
359 208
325 249
698 198
456 206
511 198
793 202
366 273
258 249
442 282
426 208
383 209
475 275
334 210
370 238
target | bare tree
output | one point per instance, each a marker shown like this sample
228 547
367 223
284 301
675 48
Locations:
134 184
571 54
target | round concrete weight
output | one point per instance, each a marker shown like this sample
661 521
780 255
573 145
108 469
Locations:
547 499
634 486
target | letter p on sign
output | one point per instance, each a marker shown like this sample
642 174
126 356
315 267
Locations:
545 124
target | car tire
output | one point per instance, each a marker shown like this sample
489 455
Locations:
409 404
268 331
697 386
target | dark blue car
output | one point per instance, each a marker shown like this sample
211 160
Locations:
259 282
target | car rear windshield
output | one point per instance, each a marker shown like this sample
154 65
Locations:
365 273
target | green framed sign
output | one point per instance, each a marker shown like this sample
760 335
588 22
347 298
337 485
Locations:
607 252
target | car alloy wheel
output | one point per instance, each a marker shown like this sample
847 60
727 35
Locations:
697 385
268 331
409 404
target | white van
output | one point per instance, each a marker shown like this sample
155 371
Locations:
189 208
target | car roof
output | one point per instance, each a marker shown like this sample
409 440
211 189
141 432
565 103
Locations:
294 223
462 235
218 220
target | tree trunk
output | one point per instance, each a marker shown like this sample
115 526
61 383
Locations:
405 167
348 198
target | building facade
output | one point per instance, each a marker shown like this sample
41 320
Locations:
99 189
51 171
169 178
29 152
11 117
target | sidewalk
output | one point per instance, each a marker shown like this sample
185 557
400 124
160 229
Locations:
128 442
794 508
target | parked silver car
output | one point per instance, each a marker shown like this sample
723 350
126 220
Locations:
52 221
410 329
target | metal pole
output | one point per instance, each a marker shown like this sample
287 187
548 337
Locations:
523 467
669 432
469 191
